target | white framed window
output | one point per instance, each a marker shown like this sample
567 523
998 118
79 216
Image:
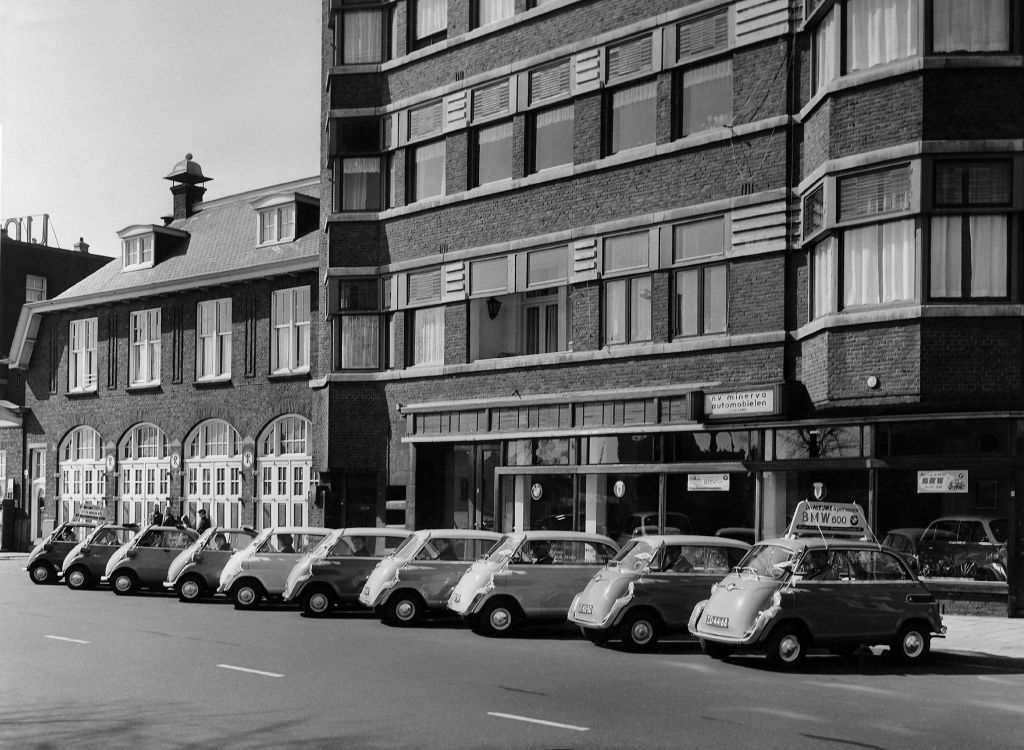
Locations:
137 252
145 467
285 472
289 345
627 310
427 339
144 365
82 470
879 263
213 472
277 224
701 294
82 356
213 350
35 288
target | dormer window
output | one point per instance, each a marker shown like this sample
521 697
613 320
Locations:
137 252
277 224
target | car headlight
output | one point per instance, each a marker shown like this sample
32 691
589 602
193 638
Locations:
777 599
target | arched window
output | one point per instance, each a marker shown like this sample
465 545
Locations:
285 472
213 473
81 470
145 473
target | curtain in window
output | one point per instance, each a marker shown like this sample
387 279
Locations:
360 340
824 269
615 312
988 256
707 97
640 309
898 261
429 168
826 51
715 295
946 256
363 37
491 11
553 140
971 25
687 302
633 116
880 31
360 184
878 263
428 336
431 17
494 153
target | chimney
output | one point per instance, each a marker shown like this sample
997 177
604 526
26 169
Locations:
82 246
186 188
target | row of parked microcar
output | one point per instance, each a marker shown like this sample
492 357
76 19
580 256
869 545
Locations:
772 597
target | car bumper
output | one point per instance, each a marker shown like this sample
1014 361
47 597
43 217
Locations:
751 636
610 619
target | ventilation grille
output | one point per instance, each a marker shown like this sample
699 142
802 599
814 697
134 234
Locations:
425 121
550 82
703 35
629 58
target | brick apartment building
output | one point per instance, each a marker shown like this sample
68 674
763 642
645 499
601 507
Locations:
616 264
31 269
179 373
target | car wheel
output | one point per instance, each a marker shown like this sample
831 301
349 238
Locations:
317 603
246 595
499 618
78 578
403 608
190 589
124 583
714 649
912 644
41 572
787 646
596 636
640 631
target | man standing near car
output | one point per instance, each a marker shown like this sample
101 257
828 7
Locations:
204 521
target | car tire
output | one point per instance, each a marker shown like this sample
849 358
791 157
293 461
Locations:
246 595
640 631
190 589
318 602
499 618
596 636
42 573
124 583
912 644
714 649
787 646
403 608
78 578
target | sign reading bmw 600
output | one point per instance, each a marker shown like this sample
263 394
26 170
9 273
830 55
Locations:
829 519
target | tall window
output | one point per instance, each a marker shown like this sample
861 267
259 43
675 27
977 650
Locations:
492 11
541 316
627 312
82 470
880 31
356 146
289 345
277 224
429 22
707 97
359 37
700 301
823 268
145 347
493 153
35 288
145 467
428 170
427 336
879 263
82 356
285 472
357 328
213 472
213 352
552 143
633 116
970 25
826 51
969 251
137 252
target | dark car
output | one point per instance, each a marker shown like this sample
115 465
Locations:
904 542
45 560
965 546
87 561
143 562
195 572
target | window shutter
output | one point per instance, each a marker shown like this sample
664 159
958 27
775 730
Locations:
703 35
550 82
425 121
425 287
870 193
490 100
635 56
814 211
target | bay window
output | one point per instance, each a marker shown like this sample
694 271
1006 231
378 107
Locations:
970 25
358 180
429 22
879 263
359 37
823 272
881 31
491 11
357 328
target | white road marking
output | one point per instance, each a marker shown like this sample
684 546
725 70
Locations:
62 638
250 671
539 721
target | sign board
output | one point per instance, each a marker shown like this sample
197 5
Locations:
91 511
932 482
707 482
750 403
829 519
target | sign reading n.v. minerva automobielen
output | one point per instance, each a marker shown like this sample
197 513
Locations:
829 519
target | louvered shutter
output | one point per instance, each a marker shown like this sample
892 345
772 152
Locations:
703 35
550 82
870 193
814 211
425 287
425 121
628 58
490 100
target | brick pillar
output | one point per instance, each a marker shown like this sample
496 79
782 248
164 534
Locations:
588 115
585 309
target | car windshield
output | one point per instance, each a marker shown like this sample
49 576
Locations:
110 537
409 547
635 555
764 559
224 540
71 533
505 548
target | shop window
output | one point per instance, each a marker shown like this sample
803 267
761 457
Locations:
82 356
705 97
818 442
973 26
360 37
943 438
289 345
492 153
426 336
427 164
486 12
633 116
551 137
621 449
428 22
144 359
731 445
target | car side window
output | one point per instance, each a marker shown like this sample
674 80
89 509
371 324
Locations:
701 560
876 565
975 532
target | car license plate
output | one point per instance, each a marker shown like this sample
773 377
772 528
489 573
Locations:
366 591
586 609
717 621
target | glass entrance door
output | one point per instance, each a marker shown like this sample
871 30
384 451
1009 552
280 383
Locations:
455 486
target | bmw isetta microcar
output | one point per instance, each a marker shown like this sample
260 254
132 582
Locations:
87 561
45 560
261 570
195 572
529 576
143 562
820 585
651 587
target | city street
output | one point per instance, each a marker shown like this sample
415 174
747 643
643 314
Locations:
90 669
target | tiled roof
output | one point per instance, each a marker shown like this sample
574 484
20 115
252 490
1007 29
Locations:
222 241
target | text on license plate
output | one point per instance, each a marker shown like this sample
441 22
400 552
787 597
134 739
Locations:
586 609
717 621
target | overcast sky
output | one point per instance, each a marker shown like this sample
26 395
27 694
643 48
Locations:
100 98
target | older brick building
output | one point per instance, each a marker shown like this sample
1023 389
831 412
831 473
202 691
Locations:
609 264
179 373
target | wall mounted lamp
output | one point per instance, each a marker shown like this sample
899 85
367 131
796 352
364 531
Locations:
493 307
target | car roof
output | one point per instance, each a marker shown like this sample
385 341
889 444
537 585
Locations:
298 530
717 541
968 517
554 534
912 532
457 533
234 530
367 530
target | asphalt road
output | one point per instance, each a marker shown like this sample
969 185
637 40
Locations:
90 669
